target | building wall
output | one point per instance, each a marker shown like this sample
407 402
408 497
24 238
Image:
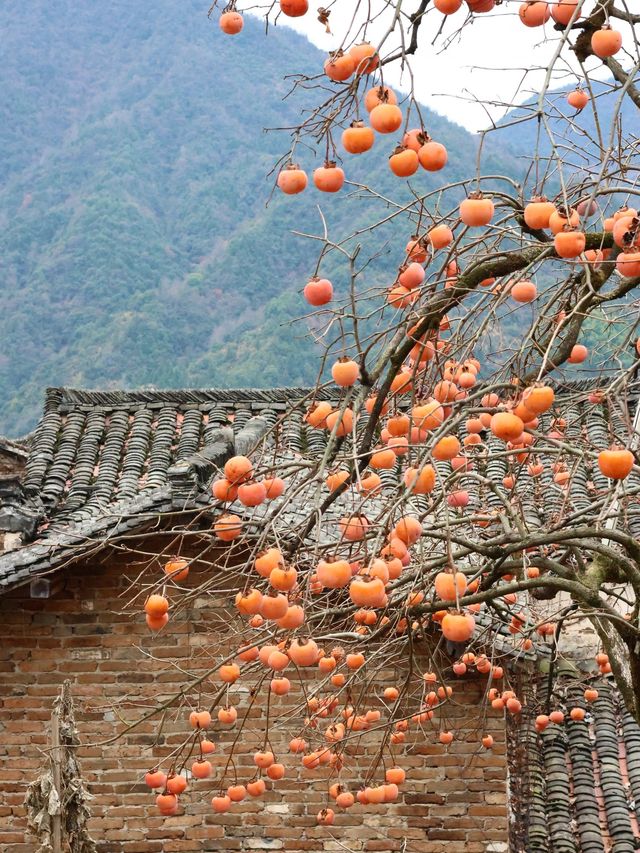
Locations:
579 642
454 798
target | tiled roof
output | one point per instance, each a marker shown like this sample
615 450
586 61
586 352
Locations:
102 462
583 780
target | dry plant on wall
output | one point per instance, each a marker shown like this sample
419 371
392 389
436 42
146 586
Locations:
57 802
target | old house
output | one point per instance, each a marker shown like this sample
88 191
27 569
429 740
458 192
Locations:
108 479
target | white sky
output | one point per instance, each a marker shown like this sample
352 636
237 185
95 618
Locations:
497 42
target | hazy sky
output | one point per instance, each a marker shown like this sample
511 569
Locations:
493 59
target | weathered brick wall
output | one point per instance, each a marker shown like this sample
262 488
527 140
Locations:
579 641
454 798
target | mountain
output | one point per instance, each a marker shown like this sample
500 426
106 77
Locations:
139 242
583 135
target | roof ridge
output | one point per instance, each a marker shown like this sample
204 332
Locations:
66 396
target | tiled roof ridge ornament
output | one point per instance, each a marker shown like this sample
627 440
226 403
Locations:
193 474
251 433
18 447
18 513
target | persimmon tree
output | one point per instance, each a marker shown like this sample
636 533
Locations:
415 527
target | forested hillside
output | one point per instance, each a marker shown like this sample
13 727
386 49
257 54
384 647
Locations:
138 244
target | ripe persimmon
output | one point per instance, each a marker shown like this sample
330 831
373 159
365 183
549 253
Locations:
379 95
569 243
537 212
167 804
403 162
440 236
294 8
177 569
447 7
386 118
616 463
292 179
345 372
176 784
606 42
578 99
155 779
231 23
318 291
458 627
365 58
562 11
328 178
156 606
534 13
476 210
339 66
227 527
357 138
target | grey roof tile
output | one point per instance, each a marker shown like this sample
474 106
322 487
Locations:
583 778
135 453
190 430
616 803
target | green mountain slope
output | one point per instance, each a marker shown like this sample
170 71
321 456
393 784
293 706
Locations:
611 107
136 243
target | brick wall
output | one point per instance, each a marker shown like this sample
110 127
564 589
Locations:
454 798
579 641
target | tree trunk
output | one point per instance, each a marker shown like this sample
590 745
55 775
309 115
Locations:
624 659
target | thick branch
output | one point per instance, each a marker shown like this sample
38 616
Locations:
624 660
623 77
623 15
